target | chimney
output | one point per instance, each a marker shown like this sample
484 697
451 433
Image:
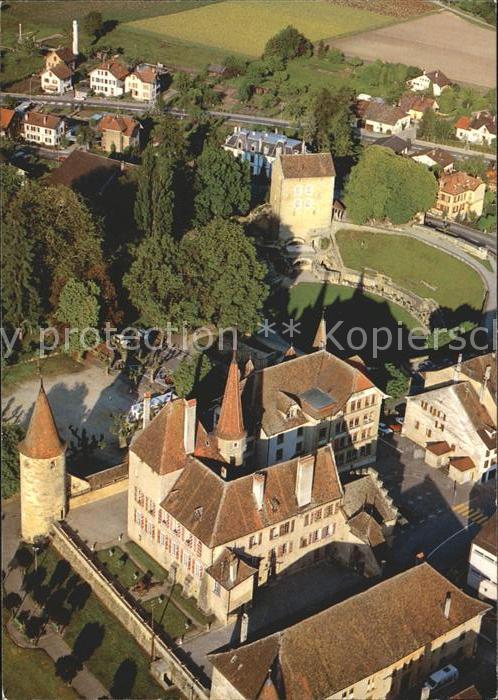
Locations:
447 605
146 412
75 37
189 420
458 368
485 380
244 626
233 568
258 488
304 479
122 166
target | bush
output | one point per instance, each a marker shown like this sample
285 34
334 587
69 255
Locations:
288 44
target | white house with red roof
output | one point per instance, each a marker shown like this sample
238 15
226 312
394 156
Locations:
479 128
434 81
143 83
43 129
109 78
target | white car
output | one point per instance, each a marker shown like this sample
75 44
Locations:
438 679
385 430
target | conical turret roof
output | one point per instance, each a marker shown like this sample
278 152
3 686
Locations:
231 423
320 342
42 439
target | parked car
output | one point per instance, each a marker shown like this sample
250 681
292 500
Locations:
393 423
385 430
439 679
136 411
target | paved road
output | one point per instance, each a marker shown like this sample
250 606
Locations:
141 107
465 15
485 240
419 145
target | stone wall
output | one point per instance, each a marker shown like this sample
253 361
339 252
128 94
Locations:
98 486
176 666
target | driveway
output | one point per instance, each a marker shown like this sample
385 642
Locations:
85 400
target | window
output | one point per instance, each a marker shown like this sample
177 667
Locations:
300 431
284 528
280 439
328 511
417 425
273 533
217 588
428 432
298 190
298 203
279 454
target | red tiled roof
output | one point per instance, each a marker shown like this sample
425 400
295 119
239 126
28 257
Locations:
117 69
231 424
220 569
161 443
328 652
302 165
458 183
463 464
438 155
438 78
463 123
439 448
125 125
65 54
42 439
146 74
49 121
61 71
6 117
416 103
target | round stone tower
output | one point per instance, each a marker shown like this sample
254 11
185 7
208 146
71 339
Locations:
43 472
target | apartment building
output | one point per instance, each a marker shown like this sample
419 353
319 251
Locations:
483 560
261 148
43 129
375 645
460 196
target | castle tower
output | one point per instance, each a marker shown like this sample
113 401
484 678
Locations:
320 342
43 472
230 429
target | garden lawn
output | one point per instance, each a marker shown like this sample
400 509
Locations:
168 616
415 266
244 26
30 673
118 662
120 565
14 375
146 562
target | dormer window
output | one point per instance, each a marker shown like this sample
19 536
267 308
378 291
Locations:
292 411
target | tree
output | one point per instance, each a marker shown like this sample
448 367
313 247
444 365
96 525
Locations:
78 309
330 123
427 126
84 135
398 383
190 372
322 49
223 276
92 24
287 44
234 66
473 165
67 667
222 185
245 91
12 434
385 186
20 279
155 201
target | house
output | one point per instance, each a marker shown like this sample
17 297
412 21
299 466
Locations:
229 501
43 129
376 644
119 132
385 119
86 173
395 143
62 55
143 83
302 195
491 178
9 122
109 78
460 196
261 148
483 559
416 105
434 80
436 158
57 79
480 128
454 419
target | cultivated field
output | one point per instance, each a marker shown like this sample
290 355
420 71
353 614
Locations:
244 26
464 51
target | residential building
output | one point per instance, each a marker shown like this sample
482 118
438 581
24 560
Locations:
86 173
385 119
395 143
434 81
62 55
109 78
43 129
460 196
454 419
483 560
261 148
58 79
302 195
480 128
376 644
9 122
416 105
118 132
491 178
436 158
143 83
258 494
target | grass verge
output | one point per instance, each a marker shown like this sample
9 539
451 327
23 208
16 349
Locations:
15 375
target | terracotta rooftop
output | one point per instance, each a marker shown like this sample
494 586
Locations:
367 529
85 172
231 424
458 183
330 651
125 125
6 117
228 509
384 113
116 68
487 536
303 165
438 78
463 464
65 54
417 103
42 439
320 341
220 569
463 123
61 70
48 121
146 74
439 448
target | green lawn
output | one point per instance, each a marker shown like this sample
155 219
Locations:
30 673
244 26
120 565
168 616
17 374
146 562
116 660
415 266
